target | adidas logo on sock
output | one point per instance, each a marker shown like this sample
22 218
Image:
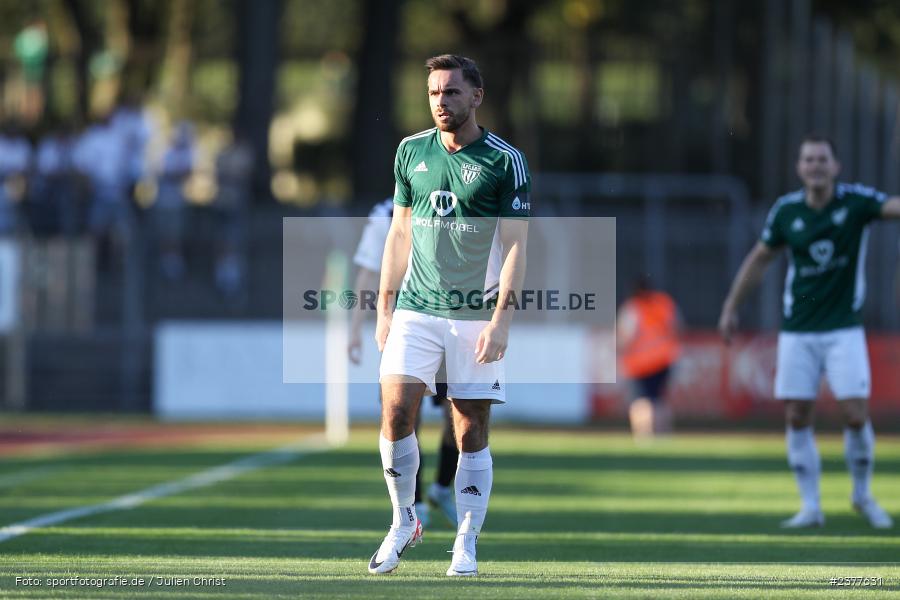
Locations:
496 385
421 168
391 473
409 515
471 490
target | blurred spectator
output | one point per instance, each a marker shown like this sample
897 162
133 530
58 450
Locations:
169 209
100 155
53 206
132 123
647 338
15 159
234 171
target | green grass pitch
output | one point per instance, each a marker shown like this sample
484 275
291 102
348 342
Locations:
574 514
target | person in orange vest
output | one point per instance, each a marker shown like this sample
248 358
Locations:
647 331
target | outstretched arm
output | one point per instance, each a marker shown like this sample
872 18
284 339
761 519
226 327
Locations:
747 278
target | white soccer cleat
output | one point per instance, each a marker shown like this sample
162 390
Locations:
807 517
464 563
877 517
397 540
443 499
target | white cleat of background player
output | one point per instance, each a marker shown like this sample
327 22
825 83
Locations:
877 517
807 517
444 499
868 508
422 512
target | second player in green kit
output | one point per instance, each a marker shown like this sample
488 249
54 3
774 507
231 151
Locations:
825 228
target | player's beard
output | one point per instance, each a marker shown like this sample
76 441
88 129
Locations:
819 183
453 123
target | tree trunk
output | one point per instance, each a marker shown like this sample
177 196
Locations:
257 58
373 136
89 42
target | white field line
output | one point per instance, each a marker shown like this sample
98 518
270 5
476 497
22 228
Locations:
302 447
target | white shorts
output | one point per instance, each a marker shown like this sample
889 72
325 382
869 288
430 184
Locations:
417 343
841 355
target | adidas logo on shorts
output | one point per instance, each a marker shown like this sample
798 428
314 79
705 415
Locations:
471 490
496 385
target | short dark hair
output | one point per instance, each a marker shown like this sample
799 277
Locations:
447 62
817 138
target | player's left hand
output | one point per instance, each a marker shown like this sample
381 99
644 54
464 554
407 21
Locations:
491 343
728 323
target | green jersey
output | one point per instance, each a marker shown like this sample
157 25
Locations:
457 200
825 284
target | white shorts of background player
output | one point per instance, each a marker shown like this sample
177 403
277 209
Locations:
841 355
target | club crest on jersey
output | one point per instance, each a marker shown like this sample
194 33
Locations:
822 251
470 172
443 202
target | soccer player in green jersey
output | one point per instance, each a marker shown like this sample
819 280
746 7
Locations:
825 227
454 254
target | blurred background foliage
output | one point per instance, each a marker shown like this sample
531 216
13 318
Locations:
580 85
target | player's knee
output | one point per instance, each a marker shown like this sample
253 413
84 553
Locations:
799 421
471 424
799 416
854 423
473 439
855 420
473 410
856 413
397 422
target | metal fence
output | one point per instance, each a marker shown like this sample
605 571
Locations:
689 233
87 338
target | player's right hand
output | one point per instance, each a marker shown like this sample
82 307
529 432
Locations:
382 328
728 324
